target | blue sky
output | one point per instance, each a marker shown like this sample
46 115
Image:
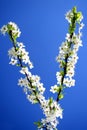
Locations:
43 27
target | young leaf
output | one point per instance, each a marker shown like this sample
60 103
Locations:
50 101
61 96
39 124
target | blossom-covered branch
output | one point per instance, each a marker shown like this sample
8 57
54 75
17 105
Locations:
33 89
31 84
67 56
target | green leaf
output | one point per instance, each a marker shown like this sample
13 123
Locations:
61 96
74 10
50 101
63 63
78 16
15 36
9 27
18 64
62 72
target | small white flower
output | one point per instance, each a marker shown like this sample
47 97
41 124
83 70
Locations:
70 72
41 89
69 15
12 53
30 64
4 29
13 61
59 77
68 37
13 25
69 82
54 89
73 58
41 99
25 90
81 26
76 39
20 45
21 82
31 98
24 70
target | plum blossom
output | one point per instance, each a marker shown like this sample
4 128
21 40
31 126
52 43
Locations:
54 88
13 61
32 85
4 29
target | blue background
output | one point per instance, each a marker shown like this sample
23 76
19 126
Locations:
43 27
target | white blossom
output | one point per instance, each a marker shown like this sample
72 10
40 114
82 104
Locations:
4 29
24 55
20 45
81 26
59 77
31 98
54 89
69 82
13 61
69 15
52 111
14 28
24 70
68 38
23 82
12 53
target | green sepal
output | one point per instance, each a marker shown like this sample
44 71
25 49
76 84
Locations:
35 101
39 124
58 89
15 36
17 48
18 64
63 63
9 27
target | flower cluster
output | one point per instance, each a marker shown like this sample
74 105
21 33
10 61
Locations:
31 84
11 26
67 56
19 53
71 13
52 111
